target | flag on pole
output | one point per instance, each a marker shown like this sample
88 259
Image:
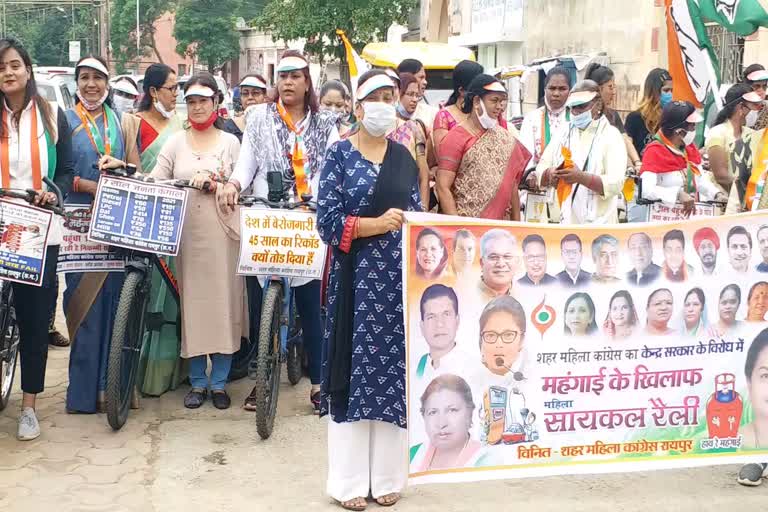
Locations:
692 62
357 66
741 16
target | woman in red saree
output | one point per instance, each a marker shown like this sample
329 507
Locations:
479 162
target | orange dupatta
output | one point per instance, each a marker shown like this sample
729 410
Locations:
37 177
297 155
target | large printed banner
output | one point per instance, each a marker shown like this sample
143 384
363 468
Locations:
77 253
280 242
544 350
23 238
135 215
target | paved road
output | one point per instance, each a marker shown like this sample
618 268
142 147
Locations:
170 459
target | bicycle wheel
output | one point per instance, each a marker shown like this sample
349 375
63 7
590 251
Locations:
294 362
9 355
124 350
268 360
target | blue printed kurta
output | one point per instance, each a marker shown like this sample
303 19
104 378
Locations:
90 346
377 382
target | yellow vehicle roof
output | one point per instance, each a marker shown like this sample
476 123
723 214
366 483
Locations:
432 55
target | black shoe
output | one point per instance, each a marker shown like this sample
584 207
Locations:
56 339
752 474
221 399
195 398
315 399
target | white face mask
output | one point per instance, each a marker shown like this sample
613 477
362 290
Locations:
123 104
752 118
688 139
165 113
486 121
379 118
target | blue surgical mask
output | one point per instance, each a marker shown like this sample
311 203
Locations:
403 113
665 99
581 121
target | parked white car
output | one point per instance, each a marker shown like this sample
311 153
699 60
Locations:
54 89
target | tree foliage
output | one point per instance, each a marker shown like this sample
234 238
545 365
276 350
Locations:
205 30
123 28
46 32
316 21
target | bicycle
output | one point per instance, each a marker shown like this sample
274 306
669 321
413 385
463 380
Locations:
132 320
9 329
280 335
718 207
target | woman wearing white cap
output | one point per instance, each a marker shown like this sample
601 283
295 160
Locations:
90 300
290 136
756 77
584 187
145 134
480 164
253 91
726 139
365 186
124 95
31 128
212 294
671 162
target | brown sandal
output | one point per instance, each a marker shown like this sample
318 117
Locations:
384 501
358 504
250 401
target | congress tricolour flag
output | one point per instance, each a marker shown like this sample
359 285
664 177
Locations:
692 61
741 16
357 66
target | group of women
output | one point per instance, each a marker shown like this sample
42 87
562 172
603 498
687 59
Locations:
367 162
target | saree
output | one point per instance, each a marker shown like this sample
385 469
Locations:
487 174
90 299
161 368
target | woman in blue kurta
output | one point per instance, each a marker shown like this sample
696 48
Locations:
90 300
365 186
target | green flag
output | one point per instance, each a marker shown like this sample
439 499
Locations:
741 16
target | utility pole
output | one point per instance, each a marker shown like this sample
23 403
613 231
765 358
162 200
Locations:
138 37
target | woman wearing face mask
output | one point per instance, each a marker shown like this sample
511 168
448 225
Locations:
253 91
642 124
156 120
146 132
212 321
756 77
31 131
90 300
733 123
411 132
480 163
452 114
124 95
334 97
671 163
584 189
366 184
548 121
292 136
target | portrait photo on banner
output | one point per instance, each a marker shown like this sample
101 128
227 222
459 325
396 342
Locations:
536 350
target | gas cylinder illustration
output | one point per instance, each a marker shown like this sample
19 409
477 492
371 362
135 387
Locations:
724 408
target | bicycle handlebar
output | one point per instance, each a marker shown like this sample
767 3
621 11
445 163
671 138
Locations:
29 195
